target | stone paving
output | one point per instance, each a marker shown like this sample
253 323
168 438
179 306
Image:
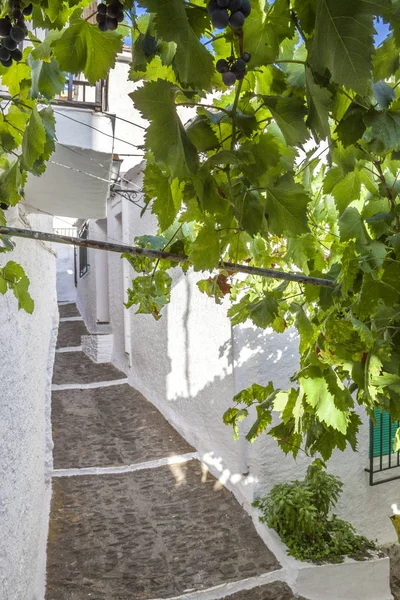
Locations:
68 310
70 332
144 534
110 426
76 367
273 591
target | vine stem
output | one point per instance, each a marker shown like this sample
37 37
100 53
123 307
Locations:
156 254
228 112
165 247
234 113
90 16
282 62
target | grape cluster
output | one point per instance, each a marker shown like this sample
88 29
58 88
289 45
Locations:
219 12
109 15
233 69
13 31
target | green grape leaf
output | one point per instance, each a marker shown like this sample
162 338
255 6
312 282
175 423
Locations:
11 180
13 272
289 114
352 227
264 418
166 195
34 139
384 93
194 64
151 293
233 416
201 134
386 60
286 207
347 190
47 79
254 393
264 29
351 127
319 102
12 276
43 50
264 311
385 127
305 329
83 48
49 123
25 300
344 43
320 397
306 12
206 249
166 136
17 78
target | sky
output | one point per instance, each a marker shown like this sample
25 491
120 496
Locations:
381 28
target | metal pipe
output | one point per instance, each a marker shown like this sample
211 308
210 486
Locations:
160 254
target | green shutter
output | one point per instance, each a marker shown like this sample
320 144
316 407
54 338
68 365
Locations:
387 445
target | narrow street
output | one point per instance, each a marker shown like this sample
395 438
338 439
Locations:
134 513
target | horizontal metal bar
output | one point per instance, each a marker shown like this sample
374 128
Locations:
383 468
159 254
374 482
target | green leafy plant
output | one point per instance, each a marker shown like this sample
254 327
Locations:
300 513
292 168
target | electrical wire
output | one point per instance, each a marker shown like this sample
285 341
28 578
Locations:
99 179
98 130
99 164
126 121
107 237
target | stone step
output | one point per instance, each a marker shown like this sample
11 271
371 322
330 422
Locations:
110 426
77 367
156 533
278 590
70 333
68 310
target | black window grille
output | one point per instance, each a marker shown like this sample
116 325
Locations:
382 458
83 252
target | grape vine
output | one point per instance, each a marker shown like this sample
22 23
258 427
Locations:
290 162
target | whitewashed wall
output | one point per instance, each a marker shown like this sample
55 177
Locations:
26 359
128 137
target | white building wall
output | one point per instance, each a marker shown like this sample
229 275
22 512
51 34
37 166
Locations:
26 358
90 285
128 137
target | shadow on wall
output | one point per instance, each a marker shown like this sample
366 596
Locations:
191 364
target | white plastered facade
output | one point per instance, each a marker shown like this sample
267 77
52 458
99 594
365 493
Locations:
27 356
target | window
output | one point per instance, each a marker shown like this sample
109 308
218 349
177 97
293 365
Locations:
83 252
381 455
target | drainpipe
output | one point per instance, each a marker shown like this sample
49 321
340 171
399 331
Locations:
126 281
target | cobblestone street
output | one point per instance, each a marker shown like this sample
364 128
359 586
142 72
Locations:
134 514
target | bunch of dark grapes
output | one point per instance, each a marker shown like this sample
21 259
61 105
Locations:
233 69
13 31
109 15
228 12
